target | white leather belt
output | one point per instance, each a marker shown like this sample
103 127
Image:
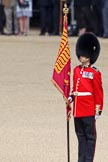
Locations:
82 93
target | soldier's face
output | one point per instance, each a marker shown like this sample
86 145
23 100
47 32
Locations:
84 59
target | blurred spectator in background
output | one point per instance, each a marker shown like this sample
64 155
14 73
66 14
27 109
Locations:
72 24
97 18
23 15
11 20
105 18
83 15
2 18
55 16
45 7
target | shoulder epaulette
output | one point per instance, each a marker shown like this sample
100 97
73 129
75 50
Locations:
95 68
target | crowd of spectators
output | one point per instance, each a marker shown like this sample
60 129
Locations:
15 16
89 15
92 15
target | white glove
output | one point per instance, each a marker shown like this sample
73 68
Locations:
98 114
97 117
70 98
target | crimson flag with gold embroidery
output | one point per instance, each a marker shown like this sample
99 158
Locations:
62 67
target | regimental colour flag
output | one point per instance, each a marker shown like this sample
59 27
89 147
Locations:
62 67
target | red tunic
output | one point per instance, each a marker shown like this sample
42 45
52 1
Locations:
87 90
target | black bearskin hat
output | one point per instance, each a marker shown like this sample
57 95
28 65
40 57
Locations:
88 45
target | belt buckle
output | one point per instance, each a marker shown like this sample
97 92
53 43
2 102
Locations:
76 93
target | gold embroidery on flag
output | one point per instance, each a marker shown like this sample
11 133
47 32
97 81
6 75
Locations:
66 82
64 54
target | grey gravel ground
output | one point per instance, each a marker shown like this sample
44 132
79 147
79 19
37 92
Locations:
32 111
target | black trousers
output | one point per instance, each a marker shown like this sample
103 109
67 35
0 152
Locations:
56 8
2 18
83 17
46 19
97 21
86 133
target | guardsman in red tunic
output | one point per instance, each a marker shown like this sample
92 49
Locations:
87 96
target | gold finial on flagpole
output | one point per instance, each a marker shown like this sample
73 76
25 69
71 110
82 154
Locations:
65 9
63 13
